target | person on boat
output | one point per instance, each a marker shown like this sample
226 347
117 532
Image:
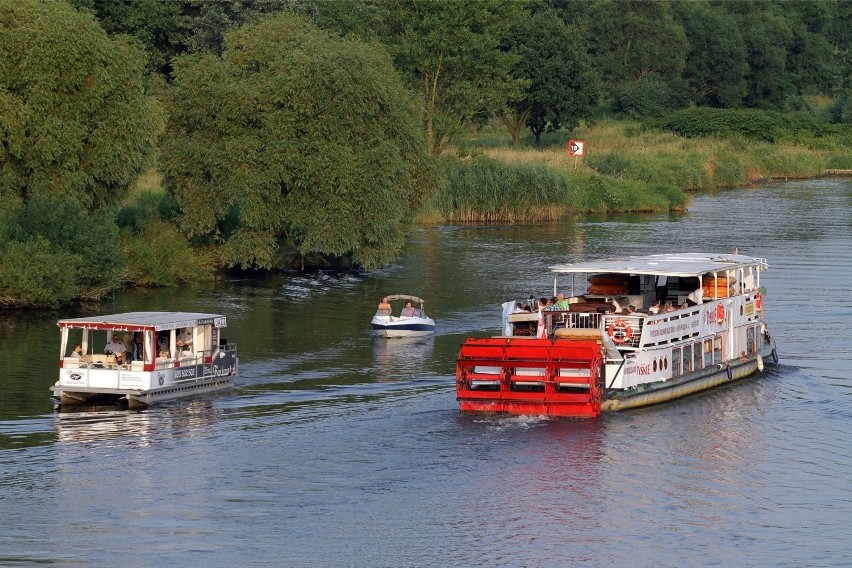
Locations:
408 310
136 351
77 353
116 347
696 297
655 308
562 302
519 307
668 307
184 341
384 307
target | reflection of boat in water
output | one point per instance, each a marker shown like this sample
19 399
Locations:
586 355
178 354
396 358
411 321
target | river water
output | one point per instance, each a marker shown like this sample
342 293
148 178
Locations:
335 449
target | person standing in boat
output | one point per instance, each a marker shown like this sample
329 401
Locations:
136 350
384 307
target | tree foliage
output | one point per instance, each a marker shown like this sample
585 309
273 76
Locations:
52 251
553 61
294 138
449 53
74 116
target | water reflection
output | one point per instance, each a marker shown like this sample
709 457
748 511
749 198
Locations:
102 425
401 357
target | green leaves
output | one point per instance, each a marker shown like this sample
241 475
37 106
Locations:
311 140
75 117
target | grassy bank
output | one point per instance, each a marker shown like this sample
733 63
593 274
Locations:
627 168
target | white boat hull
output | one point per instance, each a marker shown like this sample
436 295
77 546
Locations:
391 326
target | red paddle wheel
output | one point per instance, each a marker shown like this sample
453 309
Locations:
559 377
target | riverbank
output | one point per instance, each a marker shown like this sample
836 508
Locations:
627 168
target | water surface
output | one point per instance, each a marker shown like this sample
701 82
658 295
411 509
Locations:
335 449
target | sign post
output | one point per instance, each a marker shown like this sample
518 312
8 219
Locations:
576 148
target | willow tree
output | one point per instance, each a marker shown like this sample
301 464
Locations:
74 117
294 141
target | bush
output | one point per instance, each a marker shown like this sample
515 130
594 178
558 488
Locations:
753 124
53 251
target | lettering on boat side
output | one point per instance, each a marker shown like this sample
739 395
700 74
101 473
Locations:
638 370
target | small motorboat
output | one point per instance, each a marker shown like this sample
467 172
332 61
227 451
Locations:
411 321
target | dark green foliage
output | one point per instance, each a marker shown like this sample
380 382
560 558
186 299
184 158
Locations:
53 251
306 137
74 117
649 97
769 126
562 86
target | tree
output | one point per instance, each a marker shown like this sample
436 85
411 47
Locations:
716 64
74 116
641 52
294 139
449 52
552 59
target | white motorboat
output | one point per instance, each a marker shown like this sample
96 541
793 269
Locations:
177 354
410 321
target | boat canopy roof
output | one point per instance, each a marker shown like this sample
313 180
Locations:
393 297
139 320
680 264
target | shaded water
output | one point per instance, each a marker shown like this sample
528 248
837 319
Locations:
335 449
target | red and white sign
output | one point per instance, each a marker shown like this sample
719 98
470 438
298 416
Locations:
576 148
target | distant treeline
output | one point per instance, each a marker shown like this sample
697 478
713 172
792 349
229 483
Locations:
299 133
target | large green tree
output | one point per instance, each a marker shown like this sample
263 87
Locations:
294 140
552 60
716 61
449 52
74 116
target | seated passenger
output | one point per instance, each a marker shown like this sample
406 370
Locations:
77 353
384 307
668 307
408 310
562 302
655 308
116 347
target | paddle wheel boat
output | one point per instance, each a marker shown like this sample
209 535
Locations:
166 355
607 347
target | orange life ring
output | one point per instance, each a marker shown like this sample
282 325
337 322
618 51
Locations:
720 313
620 331
758 301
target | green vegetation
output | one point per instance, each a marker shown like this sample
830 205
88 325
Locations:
74 118
182 137
281 145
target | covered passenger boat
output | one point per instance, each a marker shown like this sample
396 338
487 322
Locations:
408 322
612 344
141 358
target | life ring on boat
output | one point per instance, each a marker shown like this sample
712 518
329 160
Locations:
620 331
774 355
758 301
720 313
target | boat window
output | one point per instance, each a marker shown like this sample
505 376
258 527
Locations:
750 347
696 356
708 352
675 362
687 358
717 349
